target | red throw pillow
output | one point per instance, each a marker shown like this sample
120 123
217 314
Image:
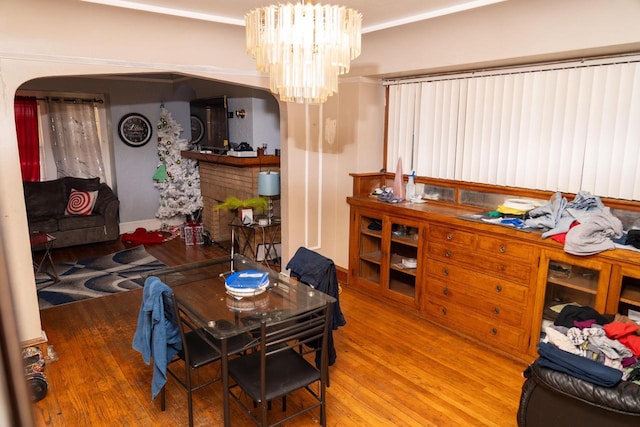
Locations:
81 202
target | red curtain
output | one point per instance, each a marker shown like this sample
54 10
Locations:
26 113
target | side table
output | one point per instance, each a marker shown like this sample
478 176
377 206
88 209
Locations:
43 241
250 238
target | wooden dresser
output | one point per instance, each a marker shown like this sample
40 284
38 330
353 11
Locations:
491 283
480 284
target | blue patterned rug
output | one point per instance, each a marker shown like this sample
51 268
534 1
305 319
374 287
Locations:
96 277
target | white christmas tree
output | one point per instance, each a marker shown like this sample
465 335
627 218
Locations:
177 179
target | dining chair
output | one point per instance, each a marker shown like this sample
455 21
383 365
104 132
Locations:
319 272
276 367
196 353
199 349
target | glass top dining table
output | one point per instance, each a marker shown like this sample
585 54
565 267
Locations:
200 289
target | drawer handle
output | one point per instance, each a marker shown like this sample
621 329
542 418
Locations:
445 271
445 290
444 311
496 310
503 249
494 331
447 253
449 236
499 288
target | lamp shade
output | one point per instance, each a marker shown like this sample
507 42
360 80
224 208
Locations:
268 183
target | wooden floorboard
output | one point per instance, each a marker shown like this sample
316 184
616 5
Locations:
392 369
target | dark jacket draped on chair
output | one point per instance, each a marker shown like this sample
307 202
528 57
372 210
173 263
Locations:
319 272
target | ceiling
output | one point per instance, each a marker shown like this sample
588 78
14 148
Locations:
377 14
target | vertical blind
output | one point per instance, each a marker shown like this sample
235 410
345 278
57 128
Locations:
568 127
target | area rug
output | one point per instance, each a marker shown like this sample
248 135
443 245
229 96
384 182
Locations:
96 277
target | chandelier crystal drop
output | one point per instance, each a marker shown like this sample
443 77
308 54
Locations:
304 47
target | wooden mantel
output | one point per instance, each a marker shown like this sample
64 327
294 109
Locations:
239 162
223 176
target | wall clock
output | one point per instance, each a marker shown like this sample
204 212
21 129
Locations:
197 129
135 129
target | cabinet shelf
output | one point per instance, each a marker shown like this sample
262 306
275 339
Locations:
631 296
402 269
372 233
579 285
404 288
583 284
373 257
396 265
405 240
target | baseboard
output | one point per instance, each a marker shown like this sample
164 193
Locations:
343 275
149 224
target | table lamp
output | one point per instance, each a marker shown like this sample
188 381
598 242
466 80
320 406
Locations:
269 186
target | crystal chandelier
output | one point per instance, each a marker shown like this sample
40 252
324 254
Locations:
304 47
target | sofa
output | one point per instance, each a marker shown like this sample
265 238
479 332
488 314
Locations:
551 398
47 204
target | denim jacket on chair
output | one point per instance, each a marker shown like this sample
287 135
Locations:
156 337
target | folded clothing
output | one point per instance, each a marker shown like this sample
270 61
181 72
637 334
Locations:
593 236
580 367
626 333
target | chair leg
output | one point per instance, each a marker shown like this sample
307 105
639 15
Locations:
323 415
189 398
162 398
284 403
263 413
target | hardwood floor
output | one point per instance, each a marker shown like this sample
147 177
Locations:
392 369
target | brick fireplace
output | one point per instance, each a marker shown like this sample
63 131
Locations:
223 176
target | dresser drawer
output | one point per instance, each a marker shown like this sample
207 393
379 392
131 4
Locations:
498 247
501 267
462 320
489 286
491 306
451 236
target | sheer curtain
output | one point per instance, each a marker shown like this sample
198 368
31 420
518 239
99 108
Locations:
75 139
26 116
569 128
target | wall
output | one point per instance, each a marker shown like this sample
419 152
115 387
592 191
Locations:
261 124
508 33
117 41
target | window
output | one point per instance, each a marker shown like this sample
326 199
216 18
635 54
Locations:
567 127
48 170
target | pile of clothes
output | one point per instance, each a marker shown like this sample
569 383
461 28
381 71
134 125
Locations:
585 226
603 350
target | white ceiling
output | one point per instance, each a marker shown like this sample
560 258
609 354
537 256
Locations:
377 14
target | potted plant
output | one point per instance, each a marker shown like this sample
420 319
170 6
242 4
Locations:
233 203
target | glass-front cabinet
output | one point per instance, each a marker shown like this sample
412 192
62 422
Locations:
370 253
624 291
403 260
567 279
388 255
